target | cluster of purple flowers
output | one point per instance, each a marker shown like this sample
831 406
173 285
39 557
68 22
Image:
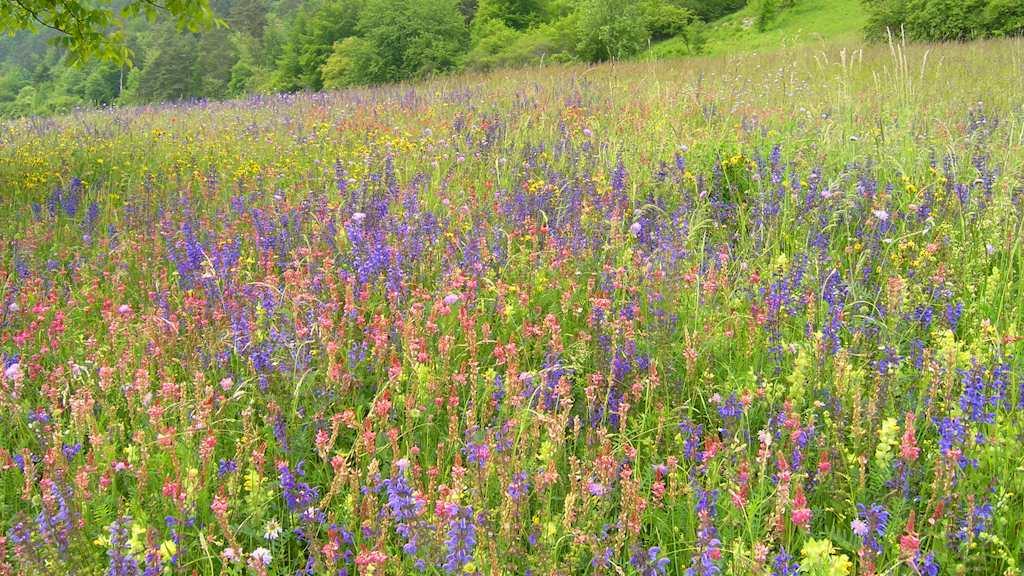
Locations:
870 525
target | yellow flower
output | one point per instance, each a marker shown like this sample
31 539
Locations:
168 549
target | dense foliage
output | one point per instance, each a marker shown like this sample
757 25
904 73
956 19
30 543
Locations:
759 316
944 20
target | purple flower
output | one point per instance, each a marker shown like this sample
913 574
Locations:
13 371
926 565
461 539
870 525
646 561
519 487
451 299
860 527
782 564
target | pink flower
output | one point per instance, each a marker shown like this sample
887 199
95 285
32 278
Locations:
801 514
909 449
219 506
124 309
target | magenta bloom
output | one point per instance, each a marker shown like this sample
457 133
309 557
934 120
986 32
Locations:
451 299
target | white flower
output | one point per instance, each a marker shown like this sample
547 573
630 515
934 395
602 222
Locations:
261 555
272 530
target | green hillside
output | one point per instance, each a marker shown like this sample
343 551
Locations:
809 21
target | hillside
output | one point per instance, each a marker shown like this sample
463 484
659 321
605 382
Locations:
809 21
729 315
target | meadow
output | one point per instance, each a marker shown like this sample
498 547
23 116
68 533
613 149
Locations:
739 315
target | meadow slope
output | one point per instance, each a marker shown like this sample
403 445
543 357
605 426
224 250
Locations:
745 314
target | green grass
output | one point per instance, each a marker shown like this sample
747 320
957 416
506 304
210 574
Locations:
834 22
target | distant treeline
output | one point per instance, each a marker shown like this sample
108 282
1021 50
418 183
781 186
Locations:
293 45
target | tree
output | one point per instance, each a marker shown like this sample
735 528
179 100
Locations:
217 56
89 28
611 29
408 39
332 22
943 20
708 10
516 14
667 19
766 14
169 70
249 16
101 86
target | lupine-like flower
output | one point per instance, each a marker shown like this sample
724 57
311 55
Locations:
461 538
870 525
647 562
703 560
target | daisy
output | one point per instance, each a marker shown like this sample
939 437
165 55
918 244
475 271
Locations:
272 530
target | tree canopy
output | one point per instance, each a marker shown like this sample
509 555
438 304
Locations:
92 28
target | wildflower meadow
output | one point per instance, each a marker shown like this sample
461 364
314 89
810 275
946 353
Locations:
745 315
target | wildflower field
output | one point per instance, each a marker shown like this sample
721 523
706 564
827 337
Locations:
757 315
